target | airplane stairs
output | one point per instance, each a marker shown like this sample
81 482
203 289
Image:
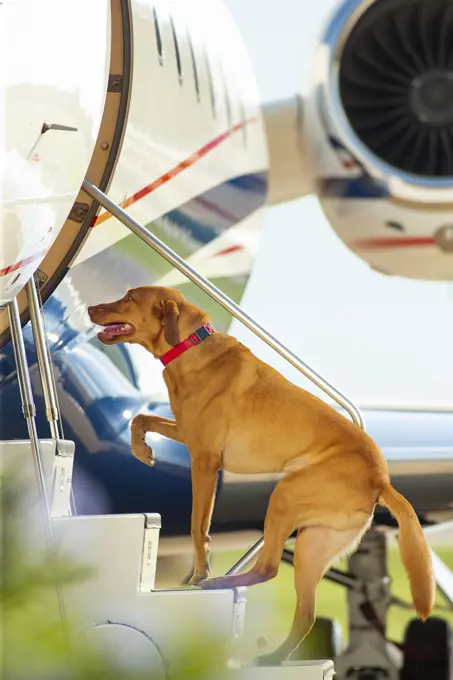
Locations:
117 606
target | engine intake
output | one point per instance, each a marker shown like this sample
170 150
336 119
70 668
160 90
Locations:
396 84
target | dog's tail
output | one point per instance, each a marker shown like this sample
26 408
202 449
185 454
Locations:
414 550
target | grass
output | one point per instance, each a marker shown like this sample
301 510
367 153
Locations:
270 606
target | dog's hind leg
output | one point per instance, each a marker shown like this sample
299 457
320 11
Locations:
306 498
278 527
316 549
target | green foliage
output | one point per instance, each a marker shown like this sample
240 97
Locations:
35 644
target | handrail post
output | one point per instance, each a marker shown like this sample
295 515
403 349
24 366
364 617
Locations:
29 411
50 398
218 296
45 369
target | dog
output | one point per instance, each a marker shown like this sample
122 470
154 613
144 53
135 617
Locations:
235 412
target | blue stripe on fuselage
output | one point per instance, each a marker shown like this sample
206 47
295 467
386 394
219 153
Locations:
208 215
363 187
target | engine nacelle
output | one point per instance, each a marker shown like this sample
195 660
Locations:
378 126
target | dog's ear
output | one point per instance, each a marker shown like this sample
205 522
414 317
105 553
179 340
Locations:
170 315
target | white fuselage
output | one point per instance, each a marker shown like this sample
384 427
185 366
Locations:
193 125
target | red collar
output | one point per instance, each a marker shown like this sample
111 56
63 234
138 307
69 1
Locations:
193 339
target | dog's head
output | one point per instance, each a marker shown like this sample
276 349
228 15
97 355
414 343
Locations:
152 316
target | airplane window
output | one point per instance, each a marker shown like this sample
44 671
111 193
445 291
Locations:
195 70
395 225
160 50
211 84
177 52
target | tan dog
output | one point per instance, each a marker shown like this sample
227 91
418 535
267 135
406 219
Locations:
235 412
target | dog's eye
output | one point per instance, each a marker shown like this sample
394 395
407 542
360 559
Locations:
128 298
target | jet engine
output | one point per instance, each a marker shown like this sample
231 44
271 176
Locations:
375 134
382 103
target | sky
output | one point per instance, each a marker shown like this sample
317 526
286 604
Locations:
379 340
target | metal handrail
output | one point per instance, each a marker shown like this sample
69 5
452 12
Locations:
231 307
222 299
45 369
29 412
50 397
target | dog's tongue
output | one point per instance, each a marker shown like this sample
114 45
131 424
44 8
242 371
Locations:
115 329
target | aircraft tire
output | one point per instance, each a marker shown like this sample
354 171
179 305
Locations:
427 650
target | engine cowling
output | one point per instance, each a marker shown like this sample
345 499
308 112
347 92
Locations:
378 126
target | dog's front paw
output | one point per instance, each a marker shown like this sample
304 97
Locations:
199 576
143 453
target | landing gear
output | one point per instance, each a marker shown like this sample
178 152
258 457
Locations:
369 656
428 650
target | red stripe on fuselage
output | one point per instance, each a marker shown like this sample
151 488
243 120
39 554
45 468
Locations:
166 177
17 265
400 242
